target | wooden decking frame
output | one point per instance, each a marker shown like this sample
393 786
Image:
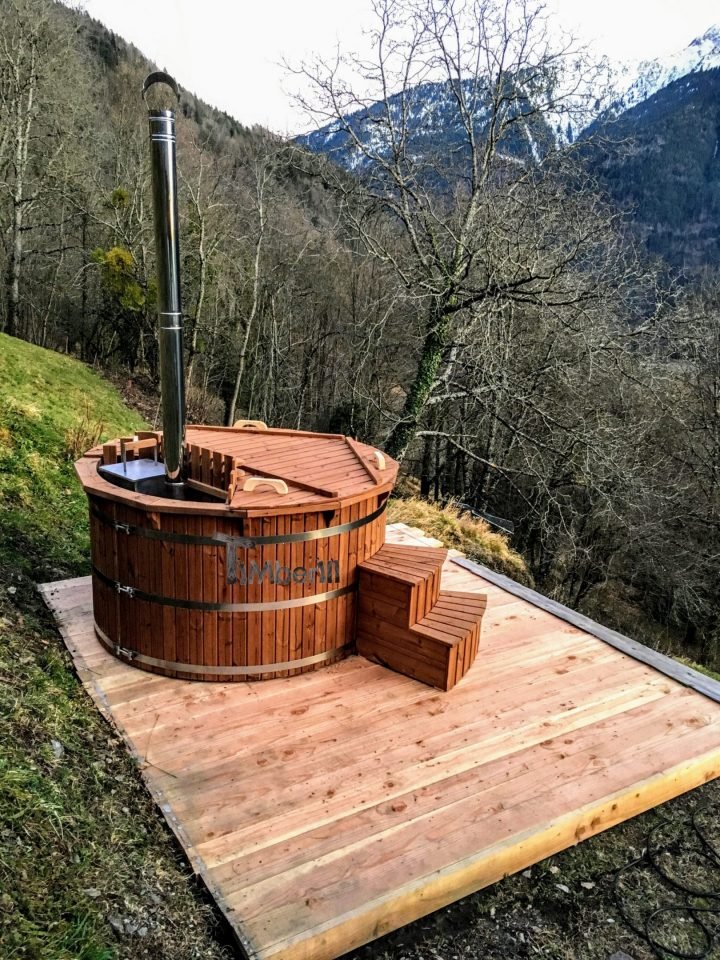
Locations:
327 809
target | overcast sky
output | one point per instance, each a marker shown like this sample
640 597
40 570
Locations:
230 52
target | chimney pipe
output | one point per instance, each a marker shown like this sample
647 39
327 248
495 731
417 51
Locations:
167 253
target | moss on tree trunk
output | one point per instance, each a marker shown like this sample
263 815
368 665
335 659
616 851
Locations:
434 347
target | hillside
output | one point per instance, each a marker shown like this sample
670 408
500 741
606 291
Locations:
87 872
662 165
52 409
78 262
567 393
533 364
87 869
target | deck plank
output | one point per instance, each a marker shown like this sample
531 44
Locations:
326 809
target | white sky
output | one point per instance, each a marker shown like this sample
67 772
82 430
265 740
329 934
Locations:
230 52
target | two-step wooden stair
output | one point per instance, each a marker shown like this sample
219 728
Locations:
406 622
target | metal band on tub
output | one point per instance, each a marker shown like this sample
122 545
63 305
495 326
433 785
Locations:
212 607
224 540
255 670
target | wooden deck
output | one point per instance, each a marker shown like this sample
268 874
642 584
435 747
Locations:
326 809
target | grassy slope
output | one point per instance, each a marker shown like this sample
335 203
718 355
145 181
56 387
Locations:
87 870
48 401
474 538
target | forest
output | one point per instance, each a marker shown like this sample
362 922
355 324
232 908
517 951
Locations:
487 315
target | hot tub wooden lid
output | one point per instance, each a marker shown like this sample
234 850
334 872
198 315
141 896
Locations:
320 471
316 467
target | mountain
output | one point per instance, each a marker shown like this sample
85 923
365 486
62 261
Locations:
435 128
661 163
657 154
648 77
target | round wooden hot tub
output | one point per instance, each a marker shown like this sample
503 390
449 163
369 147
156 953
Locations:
252 573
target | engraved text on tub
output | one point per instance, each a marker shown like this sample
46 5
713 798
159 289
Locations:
254 572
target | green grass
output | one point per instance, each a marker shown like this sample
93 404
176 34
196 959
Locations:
49 404
88 871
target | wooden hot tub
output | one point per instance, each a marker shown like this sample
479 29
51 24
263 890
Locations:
255 578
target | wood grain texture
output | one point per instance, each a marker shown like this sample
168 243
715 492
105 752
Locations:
684 674
147 589
405 622
322 472
150 571
382 799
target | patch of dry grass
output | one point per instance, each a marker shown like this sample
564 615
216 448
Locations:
472 537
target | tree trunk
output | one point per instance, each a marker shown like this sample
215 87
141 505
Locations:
240 371
24 116
248 329
434 347
426 471
199 304
13 271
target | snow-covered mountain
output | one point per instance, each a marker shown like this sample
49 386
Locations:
664 167
434 123
643 80
435 133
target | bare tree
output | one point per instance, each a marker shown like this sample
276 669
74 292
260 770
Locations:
508 86
208 223
262 169
40 71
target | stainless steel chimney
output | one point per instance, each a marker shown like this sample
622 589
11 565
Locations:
167 253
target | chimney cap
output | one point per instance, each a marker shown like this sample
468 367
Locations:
156 78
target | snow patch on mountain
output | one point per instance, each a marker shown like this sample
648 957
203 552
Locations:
426 118
649 76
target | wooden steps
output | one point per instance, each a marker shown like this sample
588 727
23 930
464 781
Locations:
402 584
407 623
